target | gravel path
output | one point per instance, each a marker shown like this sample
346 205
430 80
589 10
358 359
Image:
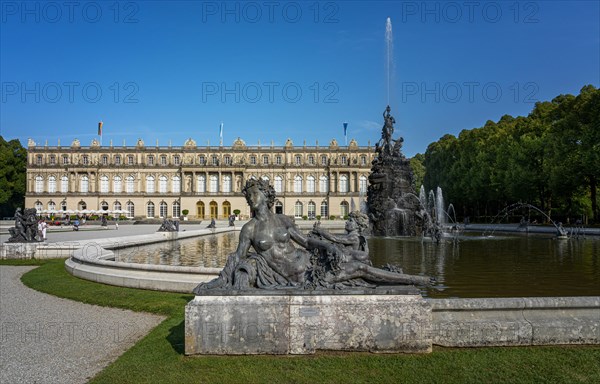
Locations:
46 339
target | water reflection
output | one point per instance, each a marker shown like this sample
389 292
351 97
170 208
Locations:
475 266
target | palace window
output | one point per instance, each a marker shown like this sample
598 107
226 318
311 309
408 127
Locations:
150 160
162 184
117 184
176 160
176 187
278 184
65 160
118 160
201 160
38 160
310 184
150 209
52 160
227 160
104 160
162 210
86 160
297 160
163 160
39 184
344 209
252 160
52 184
311 160
129 160
64 184
343 184
363 160
104 184
298 184
85 184
117 206
214 183
51 206
298 210
278 160
63 206
323 160
130 184
176 209
312 210
39 206
323 184
362 184
215 160
104 206
226 184
265 160
344 160
130 207
150 184
201 184
324 210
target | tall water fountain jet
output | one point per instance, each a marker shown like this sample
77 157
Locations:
389 59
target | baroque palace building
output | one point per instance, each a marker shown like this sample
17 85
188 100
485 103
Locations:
162 181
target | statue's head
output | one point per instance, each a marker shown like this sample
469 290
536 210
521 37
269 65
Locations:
262 186
361 220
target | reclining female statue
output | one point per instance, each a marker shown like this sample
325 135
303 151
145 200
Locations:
283 257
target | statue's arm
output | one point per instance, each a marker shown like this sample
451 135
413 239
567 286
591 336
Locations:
245 242
345 240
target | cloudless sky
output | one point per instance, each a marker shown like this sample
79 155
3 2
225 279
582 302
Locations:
272 70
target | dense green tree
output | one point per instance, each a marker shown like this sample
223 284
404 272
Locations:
418 169
550 159
13 163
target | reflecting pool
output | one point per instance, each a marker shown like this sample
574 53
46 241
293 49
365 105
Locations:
474 266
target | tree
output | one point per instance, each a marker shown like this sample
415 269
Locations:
13 176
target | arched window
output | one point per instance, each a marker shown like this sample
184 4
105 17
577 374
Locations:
324 209
343 184
214 183
298 184
117 184
162 184
130 210
162 210
104 184
63 205
150 184
323 184
39 207
176 209
150 209
226 209
278 184
201 187
310 184
64 183
51 206
298 209
362 184
130 184
226 183
200 210
312 210
278 207
39 184
117 206
176 187
104 206
52 184
344 209
82 205
214 210
85 184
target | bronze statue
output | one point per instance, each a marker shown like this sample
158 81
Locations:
25 229
284 258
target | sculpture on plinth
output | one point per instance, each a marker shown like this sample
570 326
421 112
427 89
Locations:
169 226
285 258
26 228
392 204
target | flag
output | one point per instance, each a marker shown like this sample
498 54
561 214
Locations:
100 128
221 131
345 129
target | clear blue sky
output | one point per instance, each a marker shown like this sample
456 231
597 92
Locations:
164 71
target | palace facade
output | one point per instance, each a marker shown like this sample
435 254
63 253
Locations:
146 181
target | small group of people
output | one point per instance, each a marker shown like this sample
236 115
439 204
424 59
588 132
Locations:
42 229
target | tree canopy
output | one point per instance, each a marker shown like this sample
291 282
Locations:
13 174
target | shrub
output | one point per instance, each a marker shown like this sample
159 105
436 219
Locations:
304 217
318 217
332 217
185 212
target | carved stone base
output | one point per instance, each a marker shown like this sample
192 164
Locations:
282 323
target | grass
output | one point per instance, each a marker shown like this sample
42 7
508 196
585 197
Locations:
158 358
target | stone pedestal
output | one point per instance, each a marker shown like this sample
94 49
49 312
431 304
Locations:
18 250
396 320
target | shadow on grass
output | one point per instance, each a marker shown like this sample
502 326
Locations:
176 338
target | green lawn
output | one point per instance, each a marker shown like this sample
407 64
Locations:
158 358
